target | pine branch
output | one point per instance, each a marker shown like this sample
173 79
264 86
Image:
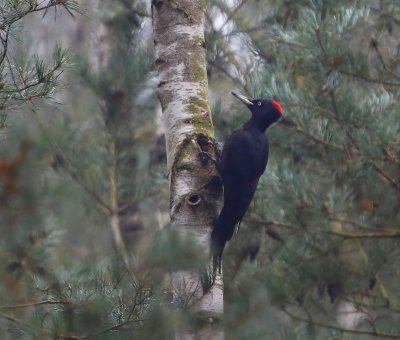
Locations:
114 327
234 80
341 329
15 320
390 179
359 234
68 5
16 14
114 218
361 301
67 166
317 32
232 14
293 125
74 175
226 49
34 304
46 78
379 282
388 233
39 330
354 75
363 77
4 42
375 46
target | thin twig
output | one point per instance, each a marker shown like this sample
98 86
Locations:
390 179
356 234
375 46
37 82
5 45
341 329
38 329
34 304
388 233
293 125
231 15
318 34
68 168
363 77
114 219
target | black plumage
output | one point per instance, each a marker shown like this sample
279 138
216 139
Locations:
243 160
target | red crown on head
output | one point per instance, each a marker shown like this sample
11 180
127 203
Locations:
277 106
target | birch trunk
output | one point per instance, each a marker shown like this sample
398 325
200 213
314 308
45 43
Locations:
195 191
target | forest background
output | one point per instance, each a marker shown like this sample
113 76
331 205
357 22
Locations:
85 239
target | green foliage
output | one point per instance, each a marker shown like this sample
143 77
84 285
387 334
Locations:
324 225
332 190
21 78
65 172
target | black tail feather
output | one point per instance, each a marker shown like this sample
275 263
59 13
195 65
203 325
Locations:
222 232
217 248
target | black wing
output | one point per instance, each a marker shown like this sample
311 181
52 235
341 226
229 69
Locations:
242 162
244 156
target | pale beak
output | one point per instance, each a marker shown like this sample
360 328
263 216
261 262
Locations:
244 99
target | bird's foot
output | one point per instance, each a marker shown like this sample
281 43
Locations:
237 227
217 265
205 156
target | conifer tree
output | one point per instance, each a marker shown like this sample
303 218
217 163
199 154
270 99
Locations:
327 212
317 254
64 180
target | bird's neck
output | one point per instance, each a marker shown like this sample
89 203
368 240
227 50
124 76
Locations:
257 124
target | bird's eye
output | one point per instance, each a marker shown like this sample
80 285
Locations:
259 103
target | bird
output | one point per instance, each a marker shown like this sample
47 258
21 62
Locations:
242 161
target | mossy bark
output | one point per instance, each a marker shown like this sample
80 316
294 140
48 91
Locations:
195 188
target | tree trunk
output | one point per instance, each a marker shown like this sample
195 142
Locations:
195 188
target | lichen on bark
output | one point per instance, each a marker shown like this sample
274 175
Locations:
195 188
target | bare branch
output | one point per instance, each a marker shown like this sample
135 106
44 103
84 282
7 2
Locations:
341 329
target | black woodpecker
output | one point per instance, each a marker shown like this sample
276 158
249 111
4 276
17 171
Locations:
243 160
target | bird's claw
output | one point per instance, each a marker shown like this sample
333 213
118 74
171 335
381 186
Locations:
205 156
216 265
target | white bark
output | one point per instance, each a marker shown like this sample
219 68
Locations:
195 191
